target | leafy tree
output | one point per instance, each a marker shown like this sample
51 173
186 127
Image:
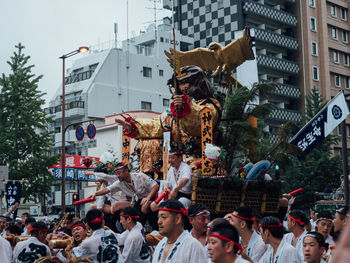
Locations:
320 166
239 137
24 139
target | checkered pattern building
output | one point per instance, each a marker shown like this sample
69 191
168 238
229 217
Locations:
274 27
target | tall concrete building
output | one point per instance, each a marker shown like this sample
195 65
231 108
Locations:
274 25
325 51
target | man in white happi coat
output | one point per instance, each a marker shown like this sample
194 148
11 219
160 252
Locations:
296 225
224 244
179 180
133 238
178 245
199 218
313 247
139 186
272 231
33 248
107 180
102 245
5 250
324 225
251 242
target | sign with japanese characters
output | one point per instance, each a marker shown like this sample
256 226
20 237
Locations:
207 137
125 149
320 126
13 195
76 161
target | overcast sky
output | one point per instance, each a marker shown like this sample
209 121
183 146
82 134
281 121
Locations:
49 29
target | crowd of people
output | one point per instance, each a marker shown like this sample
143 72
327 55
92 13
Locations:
181 232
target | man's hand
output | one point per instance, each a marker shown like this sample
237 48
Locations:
178 102
173 193
87 172
145 200
93 196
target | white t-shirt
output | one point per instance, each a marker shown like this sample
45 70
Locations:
285 253
185 171
91 247
186 249
110 180
29 250
135 245
141 185
5 250
256 247
289 239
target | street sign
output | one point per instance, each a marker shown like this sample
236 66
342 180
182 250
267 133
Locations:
79 133
70 173
91 131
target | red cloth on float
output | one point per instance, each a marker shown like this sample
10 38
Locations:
185 111
133 133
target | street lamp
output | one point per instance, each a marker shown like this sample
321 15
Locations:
63 131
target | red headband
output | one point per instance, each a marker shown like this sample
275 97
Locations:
120 167
269 226
136 217
228 240
39 229
241 217
76 225
255 219
181 211
97 220
296 220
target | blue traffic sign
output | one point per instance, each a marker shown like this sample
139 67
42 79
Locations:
91 131
79 133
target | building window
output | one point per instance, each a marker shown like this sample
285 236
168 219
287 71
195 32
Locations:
162 39
313 24
314 48
347 82
336 57
345 36
147 72
343 14
208 9
166 102
312 3
337 80
161 73
334 33
220 4
333 10
346 59
315 75
207 32
145 105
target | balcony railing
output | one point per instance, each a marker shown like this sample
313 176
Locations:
71 105
286 90
283 65
270 13
284 115
79 77
276 39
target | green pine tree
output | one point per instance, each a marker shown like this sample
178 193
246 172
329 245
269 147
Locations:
320 166
24 139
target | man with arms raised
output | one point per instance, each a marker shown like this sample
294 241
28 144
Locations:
177 245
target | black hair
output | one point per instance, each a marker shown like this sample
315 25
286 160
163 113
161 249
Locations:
324 215
299 214
94 214
130 211
319 238
225 229
26 214
273 224
246 212
173 204
343 212
14 229
38 225
196 208
29 220
101 169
